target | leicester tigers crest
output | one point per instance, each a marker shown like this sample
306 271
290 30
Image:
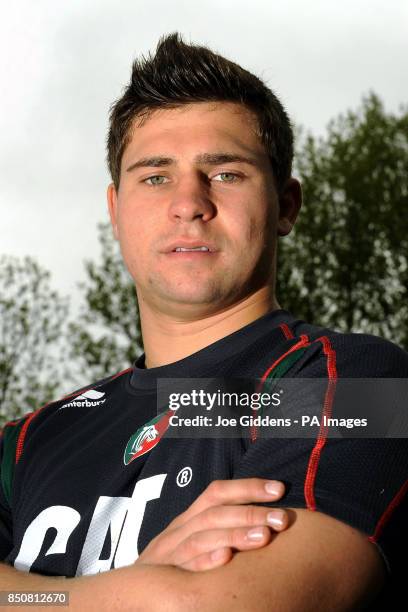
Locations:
146 437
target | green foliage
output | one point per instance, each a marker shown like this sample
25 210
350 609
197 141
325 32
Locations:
344 265
31 323
106 336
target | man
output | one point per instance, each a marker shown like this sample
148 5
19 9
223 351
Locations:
200 153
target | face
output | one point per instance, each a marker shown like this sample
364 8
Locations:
197 174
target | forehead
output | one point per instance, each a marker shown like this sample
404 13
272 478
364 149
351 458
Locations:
203 126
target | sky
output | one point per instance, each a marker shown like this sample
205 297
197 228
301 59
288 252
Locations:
62 64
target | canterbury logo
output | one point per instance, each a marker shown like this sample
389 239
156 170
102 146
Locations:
86 399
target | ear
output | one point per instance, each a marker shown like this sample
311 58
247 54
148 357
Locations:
112 198
290 203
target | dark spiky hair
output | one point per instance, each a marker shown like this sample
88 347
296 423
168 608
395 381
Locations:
181 73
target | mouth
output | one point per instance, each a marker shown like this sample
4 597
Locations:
191 255
186 249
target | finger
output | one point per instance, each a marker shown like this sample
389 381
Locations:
237 516
226 517
238 538
238 491
209 560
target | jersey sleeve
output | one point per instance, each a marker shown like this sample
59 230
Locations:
8 447
6 535
362 482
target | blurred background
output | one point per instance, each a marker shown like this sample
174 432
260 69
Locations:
68 313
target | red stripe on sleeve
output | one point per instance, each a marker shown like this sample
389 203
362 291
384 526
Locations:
322 435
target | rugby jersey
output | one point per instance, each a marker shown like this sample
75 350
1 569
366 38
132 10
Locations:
88 480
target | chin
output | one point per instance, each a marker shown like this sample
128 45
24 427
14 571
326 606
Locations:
191 297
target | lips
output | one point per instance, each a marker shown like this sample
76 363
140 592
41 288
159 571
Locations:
203 249
191 255
190 244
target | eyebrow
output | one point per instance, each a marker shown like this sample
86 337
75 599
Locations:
212 159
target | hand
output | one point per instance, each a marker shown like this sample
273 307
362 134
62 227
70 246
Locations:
216 524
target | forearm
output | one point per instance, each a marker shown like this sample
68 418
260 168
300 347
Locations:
317 564
132 588
157 581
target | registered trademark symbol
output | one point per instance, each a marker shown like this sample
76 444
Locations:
184 476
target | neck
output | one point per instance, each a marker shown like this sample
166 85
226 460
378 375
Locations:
167 339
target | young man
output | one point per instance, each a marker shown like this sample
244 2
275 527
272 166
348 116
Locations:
200 153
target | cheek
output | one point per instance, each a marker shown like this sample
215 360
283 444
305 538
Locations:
129 236
132 240
261 225
135 230
258 234
250 230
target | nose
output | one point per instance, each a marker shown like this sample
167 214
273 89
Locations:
190 199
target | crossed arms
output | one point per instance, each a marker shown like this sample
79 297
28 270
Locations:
317 563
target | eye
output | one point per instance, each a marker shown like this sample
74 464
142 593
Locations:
227 177
154 181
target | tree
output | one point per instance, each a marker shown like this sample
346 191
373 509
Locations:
106 337
31 323
344 265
